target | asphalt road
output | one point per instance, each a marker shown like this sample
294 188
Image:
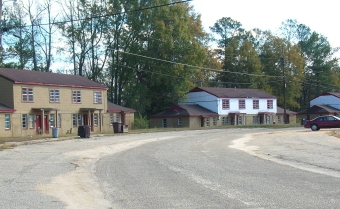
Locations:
223 168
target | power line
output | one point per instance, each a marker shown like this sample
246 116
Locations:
202 68
110 14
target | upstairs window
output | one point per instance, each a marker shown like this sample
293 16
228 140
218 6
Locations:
76 96
269 104
54 95
27 94
256 104
242 104
225 104
97 97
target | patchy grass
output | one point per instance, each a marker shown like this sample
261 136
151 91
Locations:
7 146
335 133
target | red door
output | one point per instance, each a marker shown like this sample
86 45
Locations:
86 120
38 124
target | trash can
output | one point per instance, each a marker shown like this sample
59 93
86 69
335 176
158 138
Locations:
55 132
117 127
81 131
125 128
87 131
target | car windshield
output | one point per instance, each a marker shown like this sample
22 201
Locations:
336 117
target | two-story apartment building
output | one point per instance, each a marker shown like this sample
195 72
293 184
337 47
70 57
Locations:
226 106
32 102
328 103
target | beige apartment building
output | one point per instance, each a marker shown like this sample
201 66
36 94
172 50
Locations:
32 103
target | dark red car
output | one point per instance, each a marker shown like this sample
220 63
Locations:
325 121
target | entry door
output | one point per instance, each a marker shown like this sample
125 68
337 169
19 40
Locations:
38 124
46 124
86 120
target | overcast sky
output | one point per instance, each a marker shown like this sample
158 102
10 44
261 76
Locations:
322 16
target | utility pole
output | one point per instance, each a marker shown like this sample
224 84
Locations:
284 86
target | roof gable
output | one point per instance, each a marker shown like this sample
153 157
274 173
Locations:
234 92
48 79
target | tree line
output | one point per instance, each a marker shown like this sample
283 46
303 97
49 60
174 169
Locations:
150 53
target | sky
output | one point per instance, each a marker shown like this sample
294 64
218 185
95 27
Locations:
321 16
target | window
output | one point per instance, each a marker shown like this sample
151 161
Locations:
240 120
164 124
241 104
269 104
256 104
52 124
207 122
97 97
279 119
31 121
27 94
76 96
80 120
59 121
117 117
74 119
179 121
95 119
111 119
7 121
214 121
24 120
223 121
256 119
54 95
225 104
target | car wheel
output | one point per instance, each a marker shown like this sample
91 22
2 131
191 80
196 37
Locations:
314 127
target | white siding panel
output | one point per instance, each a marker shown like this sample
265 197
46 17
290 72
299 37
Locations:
326 100
214 104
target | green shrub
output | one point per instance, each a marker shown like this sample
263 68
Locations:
141 122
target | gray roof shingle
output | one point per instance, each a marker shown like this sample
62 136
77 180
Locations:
5 109
320 109
185 110
45 78
234 92
117 108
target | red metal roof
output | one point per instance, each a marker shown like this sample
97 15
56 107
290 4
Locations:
234 92
30 77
